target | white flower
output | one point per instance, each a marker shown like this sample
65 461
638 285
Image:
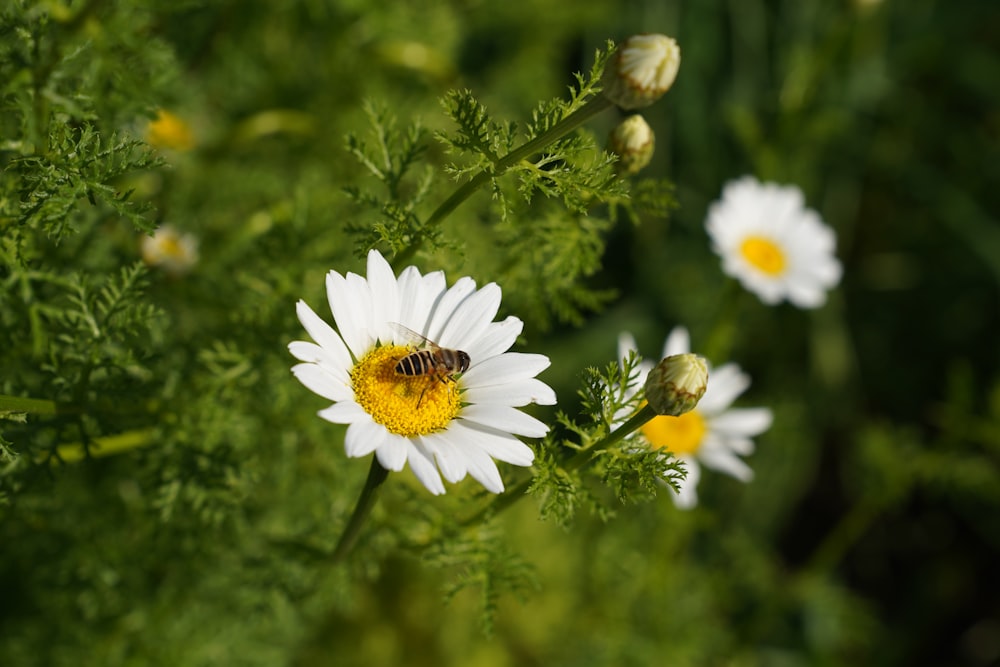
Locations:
772 244
170 250
455 423
712 434
641 70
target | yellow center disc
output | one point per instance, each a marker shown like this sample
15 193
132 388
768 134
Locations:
680 435
764 254
405 404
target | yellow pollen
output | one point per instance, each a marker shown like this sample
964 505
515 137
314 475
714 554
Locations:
392 399
680 435
764 254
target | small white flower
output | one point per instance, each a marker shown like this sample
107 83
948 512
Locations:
457 424
712 434
775 246
169 249
641 70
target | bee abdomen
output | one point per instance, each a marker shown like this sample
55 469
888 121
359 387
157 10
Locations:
417 363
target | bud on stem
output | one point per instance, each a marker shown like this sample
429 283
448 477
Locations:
676 384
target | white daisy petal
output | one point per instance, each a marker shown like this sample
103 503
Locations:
363 437
723 460
497 339
505 418
678 342
410 286
483 469
743 421
471 316
314 354
442 310
626 344
448 454
384 296
422 464
323 334
501 446
344 412
504 368
392 452
687 492
725 383
741 445
514 394
319 381
351 305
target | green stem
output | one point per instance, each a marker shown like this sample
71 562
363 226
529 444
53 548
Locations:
34 406
376 475
844 535
575 462
593 107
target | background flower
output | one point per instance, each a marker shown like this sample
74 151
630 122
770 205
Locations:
772 244
713 434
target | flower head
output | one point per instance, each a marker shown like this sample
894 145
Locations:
169 249
420 411
632 141
712 434
641 70
774 245
169 130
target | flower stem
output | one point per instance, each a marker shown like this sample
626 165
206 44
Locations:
36 406
593 107
376 475
575 462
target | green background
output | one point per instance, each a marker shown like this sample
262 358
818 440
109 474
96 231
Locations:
871 531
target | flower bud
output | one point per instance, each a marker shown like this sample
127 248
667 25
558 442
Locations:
641 70
632 141
676 384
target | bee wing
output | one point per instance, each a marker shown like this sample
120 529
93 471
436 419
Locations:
410 336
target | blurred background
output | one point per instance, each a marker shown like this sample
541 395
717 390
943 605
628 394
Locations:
871 530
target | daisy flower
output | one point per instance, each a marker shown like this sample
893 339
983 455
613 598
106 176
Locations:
455 423
168 130
168 248
775 246
713 434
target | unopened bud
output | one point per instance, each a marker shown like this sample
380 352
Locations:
676 384
641 70
633 142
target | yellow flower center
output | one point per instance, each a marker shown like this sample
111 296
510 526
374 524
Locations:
405 404
680 435
764 254
169 131
170 245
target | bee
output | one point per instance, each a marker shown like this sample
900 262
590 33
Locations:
433 361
